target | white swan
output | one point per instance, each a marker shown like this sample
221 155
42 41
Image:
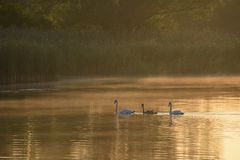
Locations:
174 112
122 112
148 111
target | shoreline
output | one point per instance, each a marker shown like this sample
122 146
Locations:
88 81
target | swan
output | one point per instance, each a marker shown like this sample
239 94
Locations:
123 111
174 112
148 111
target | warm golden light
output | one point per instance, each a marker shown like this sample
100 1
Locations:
82 124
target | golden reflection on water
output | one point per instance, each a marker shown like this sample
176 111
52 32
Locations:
136 138
77 122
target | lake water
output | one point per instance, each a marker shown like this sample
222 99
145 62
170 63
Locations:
74 119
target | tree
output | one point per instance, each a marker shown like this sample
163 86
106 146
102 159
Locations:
110 15
130 15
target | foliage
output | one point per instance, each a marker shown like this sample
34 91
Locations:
109 15
42 40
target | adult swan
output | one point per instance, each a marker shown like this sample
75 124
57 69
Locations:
174 112
123 111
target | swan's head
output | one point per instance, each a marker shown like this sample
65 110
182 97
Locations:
142 105
169 104
115 101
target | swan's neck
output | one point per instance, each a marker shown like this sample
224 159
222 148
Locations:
143 109
116 108
170 109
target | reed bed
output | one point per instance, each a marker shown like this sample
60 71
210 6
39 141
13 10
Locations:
38 55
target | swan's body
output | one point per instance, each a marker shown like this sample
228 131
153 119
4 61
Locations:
177 112
123 111
174 112
148 111
126 111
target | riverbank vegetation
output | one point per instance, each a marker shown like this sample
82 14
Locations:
69 38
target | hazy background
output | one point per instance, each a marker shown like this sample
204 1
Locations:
44 40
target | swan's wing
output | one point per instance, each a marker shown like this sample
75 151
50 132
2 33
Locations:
177 112
150 112
126 111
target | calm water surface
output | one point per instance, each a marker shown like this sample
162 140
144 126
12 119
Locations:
75 120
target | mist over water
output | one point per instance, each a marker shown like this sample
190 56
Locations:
75 119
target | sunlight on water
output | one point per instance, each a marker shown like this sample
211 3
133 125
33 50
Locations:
75 120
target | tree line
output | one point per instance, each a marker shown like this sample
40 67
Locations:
114 15
42 40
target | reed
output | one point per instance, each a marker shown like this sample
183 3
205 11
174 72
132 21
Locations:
37 55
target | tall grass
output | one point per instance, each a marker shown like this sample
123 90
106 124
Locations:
33 55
